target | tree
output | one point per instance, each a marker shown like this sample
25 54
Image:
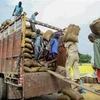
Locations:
84 58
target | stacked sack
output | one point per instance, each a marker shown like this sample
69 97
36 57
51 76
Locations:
5 23
70 94
95 27
48 35
29 64
72 33
89 79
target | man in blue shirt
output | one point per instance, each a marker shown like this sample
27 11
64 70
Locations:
54 45
18 10
33 17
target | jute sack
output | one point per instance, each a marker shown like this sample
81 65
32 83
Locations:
26 69
36 64
86 79
28 45
28 33
95 80
63 97
26 50
42 69
28 26
28 62
8 21
35 69
27 55
95 27
90 79
74 95
28 40
71 37
47 35
83 79
72 28
4 24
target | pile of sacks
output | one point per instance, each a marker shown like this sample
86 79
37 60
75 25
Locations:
95 27
72 33
5 23
70 94
88 79
30 65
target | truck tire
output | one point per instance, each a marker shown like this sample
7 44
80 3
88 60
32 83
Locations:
3 91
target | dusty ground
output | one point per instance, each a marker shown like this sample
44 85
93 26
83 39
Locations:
92 96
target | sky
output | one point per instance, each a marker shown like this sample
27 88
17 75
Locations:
59 13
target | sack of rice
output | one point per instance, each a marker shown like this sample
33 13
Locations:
47 35
95 27
83 79
28 26
28 45
8 21
4 24
86 79
74 95
71 37
63 97
26 69
72 28
28 33
26 50
35 69
36 64
28 62
90 79
95 80
28 40
60 68
42 69
27 55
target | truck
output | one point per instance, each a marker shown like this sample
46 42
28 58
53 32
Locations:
19 84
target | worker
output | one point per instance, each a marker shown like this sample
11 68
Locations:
18 10
38 45
33 17
54 46
96 46
72 60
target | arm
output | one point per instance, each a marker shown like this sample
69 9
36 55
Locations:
13 12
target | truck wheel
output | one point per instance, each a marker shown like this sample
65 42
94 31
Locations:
2 89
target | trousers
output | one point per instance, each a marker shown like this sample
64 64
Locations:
72 61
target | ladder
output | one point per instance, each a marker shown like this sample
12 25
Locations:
45 25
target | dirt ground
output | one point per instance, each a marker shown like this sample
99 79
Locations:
92 96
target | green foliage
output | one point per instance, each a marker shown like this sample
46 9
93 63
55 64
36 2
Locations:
84 58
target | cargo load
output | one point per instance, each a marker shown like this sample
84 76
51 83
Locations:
95 27
72 33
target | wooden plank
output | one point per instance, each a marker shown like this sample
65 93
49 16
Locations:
72 82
